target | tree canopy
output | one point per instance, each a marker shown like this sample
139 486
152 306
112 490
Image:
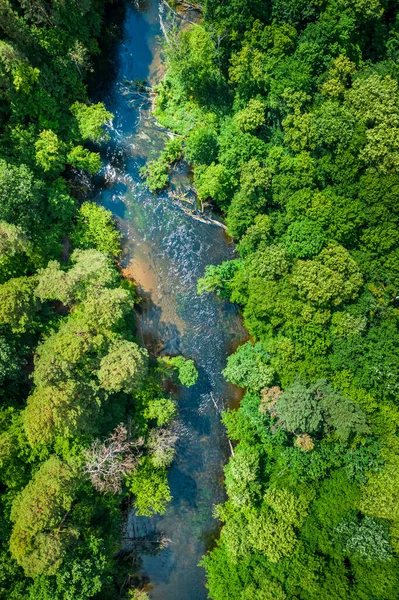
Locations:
299 151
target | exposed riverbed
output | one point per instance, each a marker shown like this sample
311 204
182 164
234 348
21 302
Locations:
166 251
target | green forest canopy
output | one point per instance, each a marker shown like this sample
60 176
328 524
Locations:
84 418
289 113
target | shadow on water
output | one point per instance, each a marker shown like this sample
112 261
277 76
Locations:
166 251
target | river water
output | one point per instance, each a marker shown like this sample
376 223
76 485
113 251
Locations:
166 251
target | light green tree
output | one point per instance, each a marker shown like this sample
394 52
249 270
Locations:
124 367
252 116
91 120
50 152
91 271
18 304
331 278
249 367
95 228
41 531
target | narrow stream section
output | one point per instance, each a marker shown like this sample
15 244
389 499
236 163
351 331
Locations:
166 251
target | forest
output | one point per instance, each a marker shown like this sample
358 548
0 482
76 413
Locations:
288 112
86 421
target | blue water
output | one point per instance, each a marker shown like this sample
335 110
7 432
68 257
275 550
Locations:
166 251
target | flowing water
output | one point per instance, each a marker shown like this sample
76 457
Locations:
166 251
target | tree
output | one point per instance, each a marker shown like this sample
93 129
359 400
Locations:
242 477
156 171
282 512
252 116
95 228
138 595
22 200
256 236
13 239
150 488
213 181
341 413
18 305
379 496
249 367
105 309
298 409
306 175
368 539
161 445
50 152
10 362
252 197
304 239
14 246
186 371
90 272
59 543
41 531
193 58
63 356
91 120
83 572
162 410
108 462
201 146
123 368
307 409
62 411
332 277
217 278
339 76
373 101
81 158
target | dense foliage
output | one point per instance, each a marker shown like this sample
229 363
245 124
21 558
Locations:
289 114
84 417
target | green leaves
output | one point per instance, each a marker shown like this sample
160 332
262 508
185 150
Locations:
368 539
219 278
18 305
252 116
21 197
50 152
66 332
151 490
299 410
91 120
304 239
95 228
269 531
187 373
124 367
156 172
40 534
331 278
306 173
193 57
249 367
162 410
308 409
201 146
91 272
242 477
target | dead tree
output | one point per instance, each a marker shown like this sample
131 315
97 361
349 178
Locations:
109 461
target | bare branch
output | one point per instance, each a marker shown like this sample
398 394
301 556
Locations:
108 462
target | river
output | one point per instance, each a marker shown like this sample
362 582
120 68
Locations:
166 251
